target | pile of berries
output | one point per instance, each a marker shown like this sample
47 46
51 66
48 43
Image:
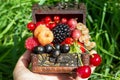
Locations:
58 35
55 50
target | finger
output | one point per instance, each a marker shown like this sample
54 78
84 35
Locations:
24 60
22 63
57 76
20 68
79 78
92 68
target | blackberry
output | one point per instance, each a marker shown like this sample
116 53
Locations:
61 31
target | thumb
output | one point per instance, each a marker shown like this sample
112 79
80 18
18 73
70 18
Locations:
24 60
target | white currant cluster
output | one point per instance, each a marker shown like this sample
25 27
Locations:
85 37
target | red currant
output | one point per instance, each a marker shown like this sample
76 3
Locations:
82 48
69 40
52 25
31 26
47 24
47 19
84 71
39 23
56 19
95 59
64 20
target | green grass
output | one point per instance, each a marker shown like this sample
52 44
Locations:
102 20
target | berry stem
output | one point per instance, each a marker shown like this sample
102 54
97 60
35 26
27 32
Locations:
78 52
85 49
80 59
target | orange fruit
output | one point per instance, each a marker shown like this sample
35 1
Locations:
39 29
45 37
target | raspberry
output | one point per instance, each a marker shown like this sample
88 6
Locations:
31 42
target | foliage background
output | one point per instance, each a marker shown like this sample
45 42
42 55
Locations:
103 21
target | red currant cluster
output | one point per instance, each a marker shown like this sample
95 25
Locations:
48 22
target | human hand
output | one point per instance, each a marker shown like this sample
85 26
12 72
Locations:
21 71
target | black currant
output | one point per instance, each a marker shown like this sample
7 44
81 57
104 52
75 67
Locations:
57 46
65 48
56 53
38 49
48 48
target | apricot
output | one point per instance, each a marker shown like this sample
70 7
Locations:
45 37
39 29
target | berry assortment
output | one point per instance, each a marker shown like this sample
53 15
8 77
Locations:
56 36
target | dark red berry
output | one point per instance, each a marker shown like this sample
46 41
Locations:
47 19
52 25
64 20
95 59
56 19
47 24
84 71
39 23
31 26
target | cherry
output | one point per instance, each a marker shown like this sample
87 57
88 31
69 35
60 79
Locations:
47 19
95 59
64 20
56 19
84 71
31 26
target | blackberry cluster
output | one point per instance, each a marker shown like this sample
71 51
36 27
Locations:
61 31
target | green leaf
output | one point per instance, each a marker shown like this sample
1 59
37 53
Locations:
41 2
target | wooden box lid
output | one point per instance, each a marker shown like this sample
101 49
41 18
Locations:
79 12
